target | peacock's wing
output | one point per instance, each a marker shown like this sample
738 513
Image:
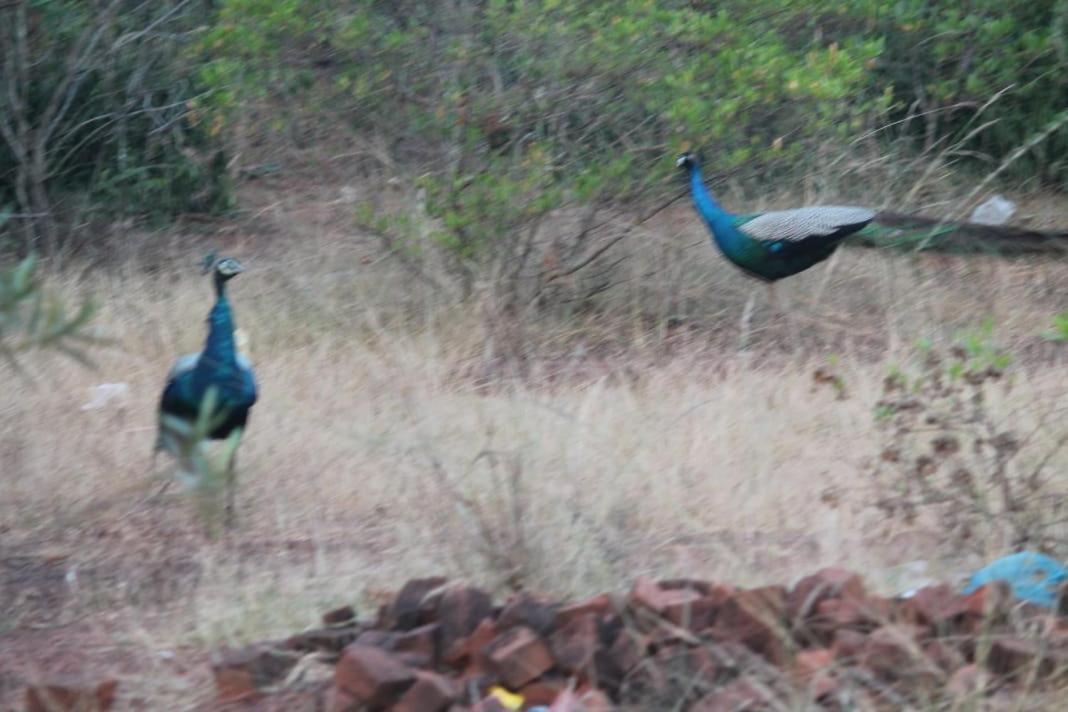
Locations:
794 226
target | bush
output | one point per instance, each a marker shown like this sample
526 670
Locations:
948 460
95 114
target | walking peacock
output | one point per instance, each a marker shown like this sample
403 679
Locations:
218 378
773 245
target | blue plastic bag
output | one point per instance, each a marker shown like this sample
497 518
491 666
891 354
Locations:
1033 577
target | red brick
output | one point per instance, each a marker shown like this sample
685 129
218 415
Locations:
542 692
422 641
755 618
324 640
489 704
599 605
824 584
944 654
460 611
573 645
519 656
940 607
373 676
240 673
68 694
650 596
338 700
409 607
967 681
530 611
340 616
894 651
741 695
470 648
1009 656
629 649
430 693
848 644
586 700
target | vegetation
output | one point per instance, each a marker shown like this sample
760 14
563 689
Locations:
506 111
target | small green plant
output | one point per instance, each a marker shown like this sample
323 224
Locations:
212 479
1058 331
945 458
30 318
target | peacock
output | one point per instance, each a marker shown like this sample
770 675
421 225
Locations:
218 378
777 244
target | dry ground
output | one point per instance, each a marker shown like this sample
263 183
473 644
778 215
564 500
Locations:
392 440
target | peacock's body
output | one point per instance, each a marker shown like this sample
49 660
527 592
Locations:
777 244
220 370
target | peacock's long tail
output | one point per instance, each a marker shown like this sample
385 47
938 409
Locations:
917 232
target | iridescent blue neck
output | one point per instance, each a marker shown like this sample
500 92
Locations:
220 348
718 220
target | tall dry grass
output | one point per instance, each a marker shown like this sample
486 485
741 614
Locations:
402 434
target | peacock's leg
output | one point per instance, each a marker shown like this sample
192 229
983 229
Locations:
747 318
231 487
791 325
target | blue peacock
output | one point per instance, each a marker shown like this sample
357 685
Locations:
773 245
218 377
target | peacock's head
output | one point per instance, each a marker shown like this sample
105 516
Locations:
228 267
686 160
224 269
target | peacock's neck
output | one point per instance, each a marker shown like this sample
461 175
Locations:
719 220
220 348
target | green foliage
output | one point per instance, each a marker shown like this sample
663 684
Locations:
1058 331
958 68
946 461
97 113
31 319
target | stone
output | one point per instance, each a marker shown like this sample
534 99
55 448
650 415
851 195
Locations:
66 694
519 656
373 676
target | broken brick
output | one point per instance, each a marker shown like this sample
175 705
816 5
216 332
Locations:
321 640
806 595
968 681
755 618
69 694
241 673
894 651
598 605
459 612
519 656
940 607
431 692
573 645
848 644
542 692
408 608
1011 655
422 641
470 648
340 616
527 610
741 695
372 676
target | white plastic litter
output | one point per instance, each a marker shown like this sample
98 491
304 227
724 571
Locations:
104 394
998 210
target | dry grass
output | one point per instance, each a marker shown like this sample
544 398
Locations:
392 441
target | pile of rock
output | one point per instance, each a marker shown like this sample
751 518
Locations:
677 644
